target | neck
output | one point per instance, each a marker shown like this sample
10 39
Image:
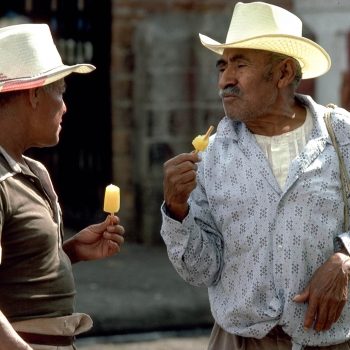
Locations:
14 153
12 140
279 121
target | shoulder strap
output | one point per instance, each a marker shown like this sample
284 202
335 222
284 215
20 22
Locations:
344 176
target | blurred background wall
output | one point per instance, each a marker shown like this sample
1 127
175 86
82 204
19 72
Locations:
153 91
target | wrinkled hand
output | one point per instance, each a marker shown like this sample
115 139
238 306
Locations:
326 293
179 182
96 241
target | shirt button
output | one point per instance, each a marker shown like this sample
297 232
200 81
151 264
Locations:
280 247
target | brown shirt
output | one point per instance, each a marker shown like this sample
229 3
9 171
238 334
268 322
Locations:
36 277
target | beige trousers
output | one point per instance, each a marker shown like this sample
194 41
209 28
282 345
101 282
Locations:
221 340
66 325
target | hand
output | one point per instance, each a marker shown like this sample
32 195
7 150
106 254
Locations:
96 241
179 182
326 293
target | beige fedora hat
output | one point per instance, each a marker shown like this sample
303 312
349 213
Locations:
29 58
263 26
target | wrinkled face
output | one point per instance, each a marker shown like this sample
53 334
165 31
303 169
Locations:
246 83
49 112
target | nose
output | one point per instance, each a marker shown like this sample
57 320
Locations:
227 77
64 108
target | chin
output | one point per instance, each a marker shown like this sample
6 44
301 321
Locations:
50 144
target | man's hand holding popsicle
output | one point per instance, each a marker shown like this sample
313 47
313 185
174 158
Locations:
99 240
180 177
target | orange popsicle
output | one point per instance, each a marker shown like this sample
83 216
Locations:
112 199
200 142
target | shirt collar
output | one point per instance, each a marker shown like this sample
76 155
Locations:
12 163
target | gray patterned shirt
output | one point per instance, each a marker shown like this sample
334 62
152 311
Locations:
254 245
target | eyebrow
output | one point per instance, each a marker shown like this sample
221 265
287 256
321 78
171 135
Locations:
221 61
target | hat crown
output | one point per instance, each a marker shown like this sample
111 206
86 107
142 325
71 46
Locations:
27 51
29 58
261 19
262 26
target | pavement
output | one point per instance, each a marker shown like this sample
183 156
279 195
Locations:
137 296
171 343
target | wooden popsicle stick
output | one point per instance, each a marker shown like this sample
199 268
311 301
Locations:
111 219
210 130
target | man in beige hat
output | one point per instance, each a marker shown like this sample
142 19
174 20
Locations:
36 282
259 216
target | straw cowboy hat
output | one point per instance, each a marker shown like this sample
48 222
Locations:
262 26
29 58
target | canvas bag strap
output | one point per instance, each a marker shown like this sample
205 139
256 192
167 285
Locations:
344 176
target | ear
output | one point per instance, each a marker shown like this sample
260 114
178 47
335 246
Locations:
33 95
287 71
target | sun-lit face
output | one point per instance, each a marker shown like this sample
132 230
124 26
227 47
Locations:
246 83
49 113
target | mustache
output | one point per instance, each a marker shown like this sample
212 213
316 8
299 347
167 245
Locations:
229 90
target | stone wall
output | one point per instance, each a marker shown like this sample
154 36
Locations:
163 87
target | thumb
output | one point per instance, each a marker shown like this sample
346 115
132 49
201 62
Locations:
102 226
303 296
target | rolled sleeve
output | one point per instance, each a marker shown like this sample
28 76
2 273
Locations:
342 241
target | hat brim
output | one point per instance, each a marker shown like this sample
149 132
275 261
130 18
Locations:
314 60
44 78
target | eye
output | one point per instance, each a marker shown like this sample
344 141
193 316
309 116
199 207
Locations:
221 65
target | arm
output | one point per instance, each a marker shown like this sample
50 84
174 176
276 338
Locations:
327 291
96 241
193 242
9 338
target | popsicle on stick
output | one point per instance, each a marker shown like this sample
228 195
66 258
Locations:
112 199
200 142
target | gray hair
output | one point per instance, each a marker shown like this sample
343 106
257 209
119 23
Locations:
276 57
7 97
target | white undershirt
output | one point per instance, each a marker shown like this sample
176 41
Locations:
280 150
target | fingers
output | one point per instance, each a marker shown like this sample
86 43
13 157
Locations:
324 316
311 313
179 173
333 316
112 220
182 167
303 296
113 248
115 228
114 237
110 248
180 177
321 316
115 232
181 158
339 311
326 294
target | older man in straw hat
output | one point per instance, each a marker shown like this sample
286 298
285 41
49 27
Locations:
259 217
36 283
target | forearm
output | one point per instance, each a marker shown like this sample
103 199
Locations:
176 212
9 338
194 252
